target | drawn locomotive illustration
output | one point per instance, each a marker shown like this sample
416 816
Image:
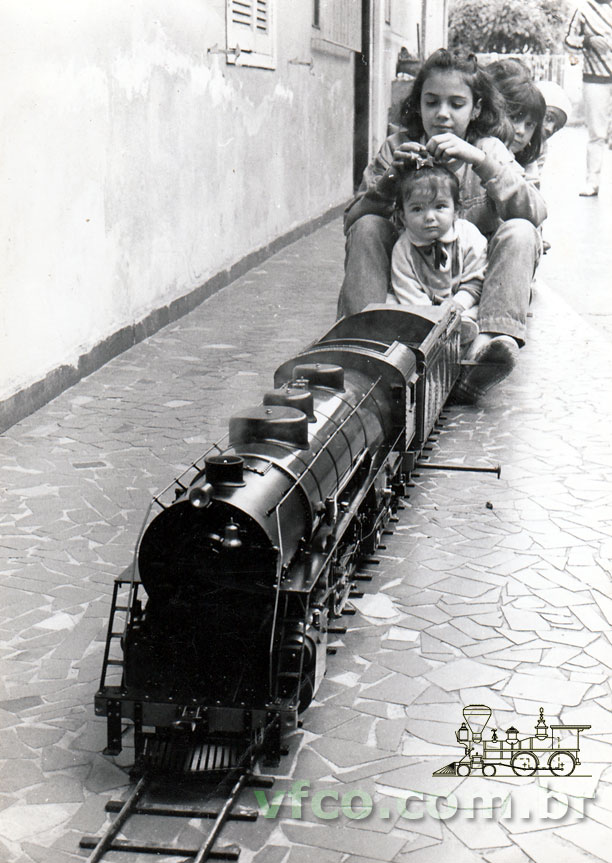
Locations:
218 632
524 756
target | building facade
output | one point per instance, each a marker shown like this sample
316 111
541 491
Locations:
154 150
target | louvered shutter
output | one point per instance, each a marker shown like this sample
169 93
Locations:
340 23
249 26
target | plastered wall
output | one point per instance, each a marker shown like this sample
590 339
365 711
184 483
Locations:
136 165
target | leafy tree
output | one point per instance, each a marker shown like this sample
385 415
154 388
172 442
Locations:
507 26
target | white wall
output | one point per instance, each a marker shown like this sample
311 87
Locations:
406 25
434 27
135 165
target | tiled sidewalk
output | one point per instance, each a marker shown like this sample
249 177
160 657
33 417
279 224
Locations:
494 591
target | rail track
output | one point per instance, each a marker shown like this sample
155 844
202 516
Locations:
199 783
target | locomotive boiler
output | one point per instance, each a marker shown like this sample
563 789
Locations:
218 632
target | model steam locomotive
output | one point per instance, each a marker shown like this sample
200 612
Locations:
248 556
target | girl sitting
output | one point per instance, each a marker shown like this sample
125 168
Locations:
454 111
437 256
526 108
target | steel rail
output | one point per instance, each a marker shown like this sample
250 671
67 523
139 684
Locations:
106 839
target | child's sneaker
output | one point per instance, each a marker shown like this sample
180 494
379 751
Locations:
492 363
469 330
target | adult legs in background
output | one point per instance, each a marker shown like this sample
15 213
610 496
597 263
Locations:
597 101
513 255
367 263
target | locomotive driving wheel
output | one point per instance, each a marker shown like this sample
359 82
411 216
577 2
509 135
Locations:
524 764
562 763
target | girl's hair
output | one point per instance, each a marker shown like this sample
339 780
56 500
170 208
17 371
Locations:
509 67
523 100
436 177
491 119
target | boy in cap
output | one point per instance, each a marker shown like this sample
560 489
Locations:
558 107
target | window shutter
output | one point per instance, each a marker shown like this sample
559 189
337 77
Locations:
249 26
340 23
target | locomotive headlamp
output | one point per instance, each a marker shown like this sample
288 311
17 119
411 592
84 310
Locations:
201 495
463 735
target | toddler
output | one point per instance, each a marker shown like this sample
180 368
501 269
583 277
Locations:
438 255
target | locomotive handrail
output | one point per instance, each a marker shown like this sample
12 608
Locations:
324 448
177 480
346 343
156 500
279 575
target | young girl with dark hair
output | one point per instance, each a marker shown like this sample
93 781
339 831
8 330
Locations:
489 121
525 107
454 114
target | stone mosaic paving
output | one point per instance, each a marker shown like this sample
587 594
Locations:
494 591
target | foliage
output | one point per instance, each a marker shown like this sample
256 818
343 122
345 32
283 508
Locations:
507 26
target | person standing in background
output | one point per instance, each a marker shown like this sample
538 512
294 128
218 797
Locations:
590 31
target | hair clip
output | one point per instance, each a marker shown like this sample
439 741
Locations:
423 161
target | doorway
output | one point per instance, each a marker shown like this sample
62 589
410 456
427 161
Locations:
361 128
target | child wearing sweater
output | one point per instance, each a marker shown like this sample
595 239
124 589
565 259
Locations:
455 112
438 256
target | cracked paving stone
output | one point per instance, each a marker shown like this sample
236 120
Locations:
463 673
373 844
345 753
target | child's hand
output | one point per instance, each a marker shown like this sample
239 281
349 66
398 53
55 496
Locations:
449 146
402 156
405 154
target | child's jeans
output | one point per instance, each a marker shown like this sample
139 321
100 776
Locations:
367 263
513 255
